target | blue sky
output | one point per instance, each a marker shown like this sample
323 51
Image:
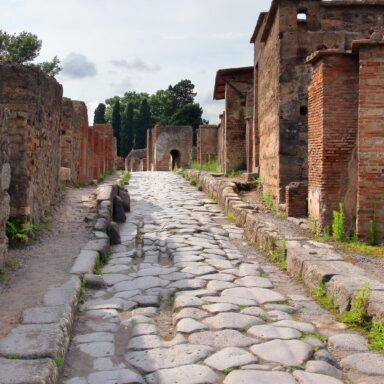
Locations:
109 47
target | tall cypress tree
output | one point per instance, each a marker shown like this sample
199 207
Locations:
127 131
143 123
116 125
99 117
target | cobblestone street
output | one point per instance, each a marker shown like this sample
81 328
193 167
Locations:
187 301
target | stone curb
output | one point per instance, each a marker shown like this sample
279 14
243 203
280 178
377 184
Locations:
34 351
309 260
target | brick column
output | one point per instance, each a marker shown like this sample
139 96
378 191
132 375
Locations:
370 192
332 132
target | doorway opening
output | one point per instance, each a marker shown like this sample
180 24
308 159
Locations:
175 159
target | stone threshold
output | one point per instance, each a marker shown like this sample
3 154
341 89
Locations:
34 351
313 262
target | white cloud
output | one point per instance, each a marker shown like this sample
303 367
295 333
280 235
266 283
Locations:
136 65
76 65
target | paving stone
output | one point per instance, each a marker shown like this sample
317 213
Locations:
39 371
190 326
43 315
348 342
144 329
188 284
220 307
259 377
98 349
140 283
290 353
230 357
221 339
161 358
146 311
300 326
218 277
231 300
269 332
116 268
314 341
217 286
254 281
187 301
249 270
200 270
155 271
220 264
280 307
121 376
84 262
368 363
154 341
253 311
231 320
278 315
261 295
113 303
324 355
34 341
115 278
187 374
193 313
94 337
314 378
323 368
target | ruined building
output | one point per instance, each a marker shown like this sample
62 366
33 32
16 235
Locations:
169 147
233 85
136 160
207 143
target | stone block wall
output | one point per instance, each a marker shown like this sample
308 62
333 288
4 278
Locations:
5 179
370 148
333 115
207 143
35 105
221 143
167 144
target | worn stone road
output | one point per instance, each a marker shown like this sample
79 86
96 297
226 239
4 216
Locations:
188 302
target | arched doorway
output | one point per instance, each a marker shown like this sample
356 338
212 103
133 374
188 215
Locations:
174 161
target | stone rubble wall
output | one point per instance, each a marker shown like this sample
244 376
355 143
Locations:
311 261
5 179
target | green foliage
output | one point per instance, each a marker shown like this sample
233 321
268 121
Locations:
357 316
127 131
268 201
59 361
16 231
99 117
97 266
338 224
23 48
209 166
259 184
116 124
194 180
125 178
144 122
227 371
319 294
230 218
313 334
280 256
372 230
376 335
171 299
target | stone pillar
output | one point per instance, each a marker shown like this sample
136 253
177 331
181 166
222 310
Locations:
207 143
370 148
332 134
5 180
249 140
82 115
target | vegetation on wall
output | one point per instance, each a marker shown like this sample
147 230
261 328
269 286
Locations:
24 48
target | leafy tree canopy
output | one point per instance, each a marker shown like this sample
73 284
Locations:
23 48
99 117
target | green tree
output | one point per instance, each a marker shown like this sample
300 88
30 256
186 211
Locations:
116 124
190 114
99 117
144 122
127 131
23 49
182 94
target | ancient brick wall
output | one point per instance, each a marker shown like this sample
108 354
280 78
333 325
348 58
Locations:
249 129
149 150
207 143
5 179
85 155
71 136
168 141
34 101
296 199
254 160
370 153
235 125
221 143
333 113
282 42
268 116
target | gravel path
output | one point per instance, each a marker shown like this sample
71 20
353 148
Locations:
188 302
